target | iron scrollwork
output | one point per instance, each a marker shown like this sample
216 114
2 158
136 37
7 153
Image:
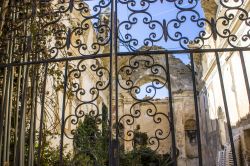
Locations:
174 31
129 78
56 29
85 32
85 97
233 12
50 29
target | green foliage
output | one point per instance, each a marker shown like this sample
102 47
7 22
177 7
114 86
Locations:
140 139
91 144
51 155
144 156
141 154
86 134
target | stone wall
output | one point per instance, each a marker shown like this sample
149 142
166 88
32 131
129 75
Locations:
183 104
214 126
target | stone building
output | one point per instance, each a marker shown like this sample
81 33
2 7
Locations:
215 139
87 95
87 79
214 134
79 87
184 115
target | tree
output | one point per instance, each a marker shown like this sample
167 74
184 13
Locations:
91 143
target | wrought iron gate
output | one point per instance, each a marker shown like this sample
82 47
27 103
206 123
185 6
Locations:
79 78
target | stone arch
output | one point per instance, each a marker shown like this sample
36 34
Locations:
145 79
163 84
180 73
182 88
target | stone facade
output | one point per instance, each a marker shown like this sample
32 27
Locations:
212 116
215 137
183 104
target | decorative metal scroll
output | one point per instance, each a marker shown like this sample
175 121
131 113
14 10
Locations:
182 25
84 91
85 95
36 34
55 29
140 110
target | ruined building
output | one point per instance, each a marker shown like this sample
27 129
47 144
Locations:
80 86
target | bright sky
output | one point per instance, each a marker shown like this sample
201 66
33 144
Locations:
160 93
160 10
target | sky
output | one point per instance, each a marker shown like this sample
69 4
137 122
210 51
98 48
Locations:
161 11
160 93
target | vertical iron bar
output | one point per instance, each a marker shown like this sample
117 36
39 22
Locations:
196 109
12 47
20 151
8 101
116 152
18 89
13 69
114 145
8 126
172 128
33 93
19 160
115 30
110 85
3 110
226 108
35 107
63 110
6 118
17 112
42 114
243 65
32 119
38 8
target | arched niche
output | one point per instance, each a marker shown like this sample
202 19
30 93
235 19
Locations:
191 138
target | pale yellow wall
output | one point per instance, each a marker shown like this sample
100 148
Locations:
87 80
148 125
234 86
183 105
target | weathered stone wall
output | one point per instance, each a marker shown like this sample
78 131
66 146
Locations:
214 126
183 103
210 8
